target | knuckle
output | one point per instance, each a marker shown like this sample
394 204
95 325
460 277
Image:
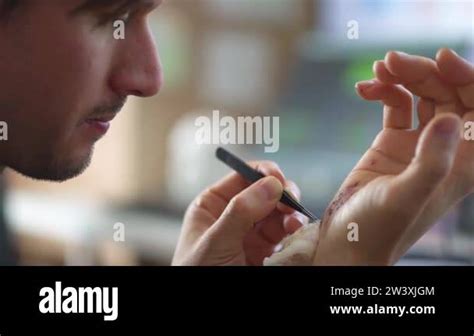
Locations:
208 201
203 199
237 205
268 165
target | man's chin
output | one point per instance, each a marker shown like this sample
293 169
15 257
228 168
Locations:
56 170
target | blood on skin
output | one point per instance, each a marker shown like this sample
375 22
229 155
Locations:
341 199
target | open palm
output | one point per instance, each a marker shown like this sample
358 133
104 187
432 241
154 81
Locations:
409 177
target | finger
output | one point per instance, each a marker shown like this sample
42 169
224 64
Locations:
383 75
464 162
256 248
211 202
244 210
433 160
426 112
419 75
460 184
277 226
215 199
293 222
453 68
459 72
271 228
234 183
292 188
398 109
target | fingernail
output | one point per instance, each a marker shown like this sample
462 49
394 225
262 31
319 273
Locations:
454 52
374 66
365 85
271 188
448 51
292 192
401 53
300 218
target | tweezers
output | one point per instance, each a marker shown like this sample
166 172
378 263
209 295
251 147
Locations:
253 175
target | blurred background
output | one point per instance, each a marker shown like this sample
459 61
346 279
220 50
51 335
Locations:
286 58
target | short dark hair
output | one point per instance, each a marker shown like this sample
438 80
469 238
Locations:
6 6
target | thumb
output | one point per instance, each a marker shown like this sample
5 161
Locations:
433 160
247 208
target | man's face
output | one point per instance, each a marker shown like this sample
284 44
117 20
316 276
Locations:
63 77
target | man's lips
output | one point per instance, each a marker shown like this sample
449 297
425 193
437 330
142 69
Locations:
100 124
102 119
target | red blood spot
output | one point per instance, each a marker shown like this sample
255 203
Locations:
341 199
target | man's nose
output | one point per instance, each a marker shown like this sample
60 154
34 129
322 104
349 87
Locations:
138 71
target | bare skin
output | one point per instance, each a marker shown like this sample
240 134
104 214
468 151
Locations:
404 182
63 76
446 90
61 70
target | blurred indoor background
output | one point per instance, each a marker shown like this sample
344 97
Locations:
286 58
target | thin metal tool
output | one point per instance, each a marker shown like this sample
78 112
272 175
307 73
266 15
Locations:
253 175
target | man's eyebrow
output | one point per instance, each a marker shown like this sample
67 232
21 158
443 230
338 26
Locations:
89 6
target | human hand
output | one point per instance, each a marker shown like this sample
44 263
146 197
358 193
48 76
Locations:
232 223
445 85
409 177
